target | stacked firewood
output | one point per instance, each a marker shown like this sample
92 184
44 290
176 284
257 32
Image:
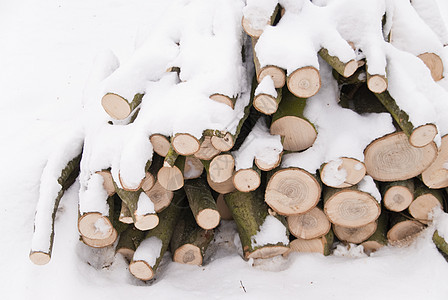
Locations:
292 177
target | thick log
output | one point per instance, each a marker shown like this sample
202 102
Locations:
304 82
309 225
251 215
220 168
355 235
129 241
403 230
247 180
352 169
320 245
350 207
202 203
419 136
170 176
292 191
160 196
392 158
425 201
118 107
95 226
378 239
398 195
185 144
436 175
160 143
189 241
150 252
345 69
43 235
289 122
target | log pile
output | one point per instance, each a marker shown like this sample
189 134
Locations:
364 170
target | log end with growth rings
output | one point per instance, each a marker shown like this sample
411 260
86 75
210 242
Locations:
185 144
40 258
160 196
141 270
188 254
377 83
95 226
304 82
371 246
355 235
116 106
160 144
207 151
221 187
264 166
278 75
223 99
292 191
246 180
221 168
403 233
316 245
265 104
298 133
434 64
208 218
436 175
350 68
423 135
224 143
309 225
170 178
397 198
249 28
267 252
101 243
146 222
422 207
353 169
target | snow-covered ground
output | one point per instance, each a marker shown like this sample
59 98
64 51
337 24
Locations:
46 53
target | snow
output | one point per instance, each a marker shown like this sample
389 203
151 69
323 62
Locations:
335 176
369 186
266 86
149 250
429 11
259 12
144 205
46 55
271 232
93 197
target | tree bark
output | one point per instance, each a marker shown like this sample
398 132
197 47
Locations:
118 107
398 195
309 225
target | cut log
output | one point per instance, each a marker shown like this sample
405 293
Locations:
222 187
425 201
125 214
223 209
160 143
202 203
377 83
350 207
304 82
351 169
223 142
129 241
277 74
434 64
206 151
220 168
254 30
95 226
320 245
247 180
148 182
392 158
141 208
160 196
229 101
345 69
150 252
193 167
355 235
398 195
170 176
436 175
43 236
251 216
403 230
118 107
419 136
108 182
189 242
101 243
268 98
289 122
292 191
309 225
185 144
440 242
378 239
263 166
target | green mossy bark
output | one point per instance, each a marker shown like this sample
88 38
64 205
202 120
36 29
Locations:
329 239
130 239
440 242
199 196
333 61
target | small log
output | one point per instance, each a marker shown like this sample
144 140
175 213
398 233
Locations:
289 122
398 195
309 225
320 245
189 241
160 196
202 203
263 166
292 191
353 171
101 243
436 175
250 214
377 83
160 143
193 167
345 69
403 230
128 242
378 239
255 32
419 136
220 168
355 235
229 101
185 144
206 151
247 180
170 176
268 98
108 182
425 201
125 214
392 158
277 74
118 107
95 226
440 242
223 209
221 187
304 82
350 207
43 237
150 252
434 64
